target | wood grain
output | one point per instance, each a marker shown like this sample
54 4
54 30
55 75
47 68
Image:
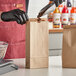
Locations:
55 30
37 44
69 26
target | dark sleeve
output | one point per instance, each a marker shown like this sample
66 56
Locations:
27 3
51 0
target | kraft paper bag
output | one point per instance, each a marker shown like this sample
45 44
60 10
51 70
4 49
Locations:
69 47
37 44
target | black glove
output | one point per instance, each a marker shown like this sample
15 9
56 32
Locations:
15 15
58 2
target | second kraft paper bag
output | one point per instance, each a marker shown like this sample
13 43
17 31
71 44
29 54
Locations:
37 44
69 47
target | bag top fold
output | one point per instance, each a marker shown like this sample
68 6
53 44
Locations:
36 19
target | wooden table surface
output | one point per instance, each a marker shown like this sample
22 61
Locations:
55 30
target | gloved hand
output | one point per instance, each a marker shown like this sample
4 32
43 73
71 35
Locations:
49 7
15 15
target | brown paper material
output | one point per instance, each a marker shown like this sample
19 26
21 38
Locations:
37 44
69 47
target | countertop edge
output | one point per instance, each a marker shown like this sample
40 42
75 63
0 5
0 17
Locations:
55 30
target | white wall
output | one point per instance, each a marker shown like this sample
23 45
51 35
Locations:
71 1
35 6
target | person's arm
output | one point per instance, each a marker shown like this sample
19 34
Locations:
49 8
27 4
17 15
